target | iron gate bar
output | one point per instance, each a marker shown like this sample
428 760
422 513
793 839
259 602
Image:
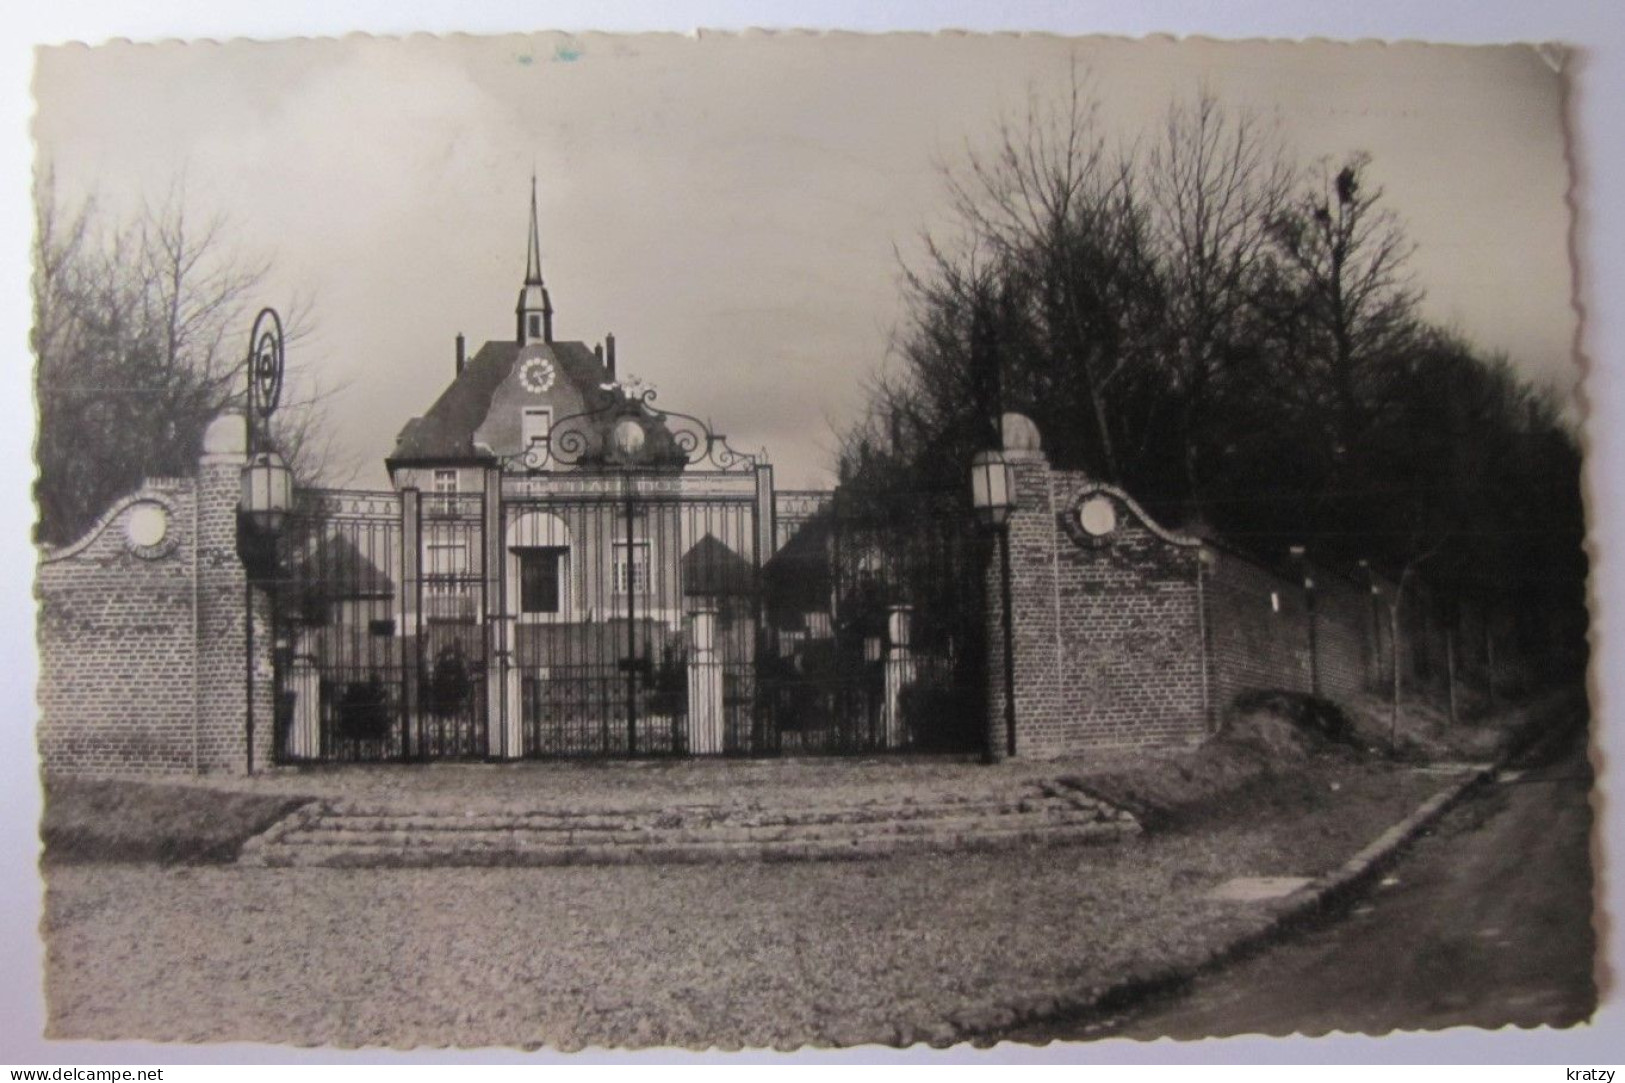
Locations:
629 663
654 568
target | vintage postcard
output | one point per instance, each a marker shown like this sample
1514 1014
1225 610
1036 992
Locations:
782 541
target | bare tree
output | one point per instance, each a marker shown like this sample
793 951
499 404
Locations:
1217 181
1224 334
1353 301
136 341
1061 237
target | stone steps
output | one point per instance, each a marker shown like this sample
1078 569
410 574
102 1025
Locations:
346 818
339 831
342 835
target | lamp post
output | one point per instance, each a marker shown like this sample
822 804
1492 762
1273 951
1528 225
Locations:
266 497
267 494
267 483
993 497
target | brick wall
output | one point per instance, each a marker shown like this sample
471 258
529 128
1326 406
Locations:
142 626
1344 652
1039 708
1127 634
115 641
1107 631
1259 629
1295 627
222 626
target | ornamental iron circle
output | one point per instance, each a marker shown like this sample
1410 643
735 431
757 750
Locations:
265 363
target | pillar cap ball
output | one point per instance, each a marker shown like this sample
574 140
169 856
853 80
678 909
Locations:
226 435
1019 433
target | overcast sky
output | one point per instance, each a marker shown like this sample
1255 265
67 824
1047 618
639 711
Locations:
732 208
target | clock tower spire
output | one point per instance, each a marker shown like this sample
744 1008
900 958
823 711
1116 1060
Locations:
535 308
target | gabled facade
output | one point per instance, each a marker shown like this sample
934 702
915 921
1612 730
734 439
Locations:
578 547
502 402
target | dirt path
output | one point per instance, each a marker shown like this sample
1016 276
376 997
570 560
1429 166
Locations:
1487 922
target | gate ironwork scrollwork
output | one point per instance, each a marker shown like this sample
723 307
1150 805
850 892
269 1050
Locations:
625 431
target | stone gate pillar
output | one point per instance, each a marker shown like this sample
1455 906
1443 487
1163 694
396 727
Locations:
304 688
899 672
504 728
1034 603
226 676
705 717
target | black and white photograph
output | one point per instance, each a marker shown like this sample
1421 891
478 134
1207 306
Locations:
741 541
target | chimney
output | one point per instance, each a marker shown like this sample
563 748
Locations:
461 353
598 353
609 354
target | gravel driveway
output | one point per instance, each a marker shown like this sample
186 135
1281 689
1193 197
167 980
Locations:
753 955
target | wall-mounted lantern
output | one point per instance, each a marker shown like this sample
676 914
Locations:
992 488
267 494
993 497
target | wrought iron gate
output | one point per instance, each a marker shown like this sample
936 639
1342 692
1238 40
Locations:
647 606
630 618
875 628
379 609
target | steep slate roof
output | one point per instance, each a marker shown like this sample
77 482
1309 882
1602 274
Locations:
710 568
446 431
332 569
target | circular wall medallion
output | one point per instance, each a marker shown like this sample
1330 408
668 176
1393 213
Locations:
1098 516
538 375
146 528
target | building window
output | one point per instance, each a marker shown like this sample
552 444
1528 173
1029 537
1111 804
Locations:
445 481
445 565
537 421
541 579
535 326
632 574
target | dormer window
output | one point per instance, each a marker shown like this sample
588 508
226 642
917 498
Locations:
538 420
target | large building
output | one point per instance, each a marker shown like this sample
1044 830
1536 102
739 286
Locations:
567 553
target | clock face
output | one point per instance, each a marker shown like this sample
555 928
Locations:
537 376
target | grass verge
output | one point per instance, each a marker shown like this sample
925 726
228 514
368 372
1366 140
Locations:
115 820
1271 738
